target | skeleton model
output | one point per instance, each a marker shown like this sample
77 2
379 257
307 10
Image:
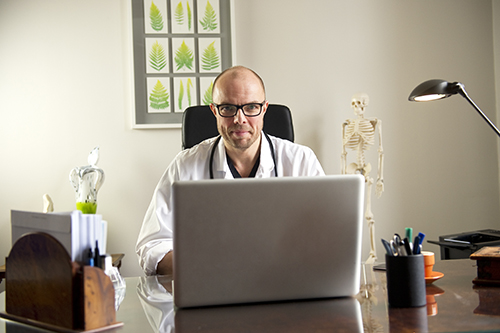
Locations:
359 135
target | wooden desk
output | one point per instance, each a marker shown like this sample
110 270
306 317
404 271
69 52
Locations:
116 258
454 305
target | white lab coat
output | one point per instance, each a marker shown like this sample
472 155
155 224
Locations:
155 237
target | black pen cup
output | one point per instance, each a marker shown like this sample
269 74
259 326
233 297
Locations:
405 281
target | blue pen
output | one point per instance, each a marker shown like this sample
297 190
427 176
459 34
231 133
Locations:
90 257
417 246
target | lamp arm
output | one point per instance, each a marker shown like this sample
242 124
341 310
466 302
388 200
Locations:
464 94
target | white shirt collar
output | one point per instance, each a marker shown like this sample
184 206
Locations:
221 169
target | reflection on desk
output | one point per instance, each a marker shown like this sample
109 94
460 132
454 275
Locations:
308 316
156 299
456 306
327 315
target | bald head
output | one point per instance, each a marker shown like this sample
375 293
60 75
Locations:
234 74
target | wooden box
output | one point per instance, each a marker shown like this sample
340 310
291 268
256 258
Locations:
488 266
44 288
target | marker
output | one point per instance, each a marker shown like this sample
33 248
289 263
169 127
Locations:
408 235
422 236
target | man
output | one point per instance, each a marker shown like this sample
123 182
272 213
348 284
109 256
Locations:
242 150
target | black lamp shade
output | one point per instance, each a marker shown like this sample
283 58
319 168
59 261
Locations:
434 89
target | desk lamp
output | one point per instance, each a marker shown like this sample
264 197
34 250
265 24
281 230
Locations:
432 90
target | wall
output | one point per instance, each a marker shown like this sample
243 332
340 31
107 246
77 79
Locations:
441 162
65 88
66 84
496 45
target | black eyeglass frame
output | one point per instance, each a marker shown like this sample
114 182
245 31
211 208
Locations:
238 107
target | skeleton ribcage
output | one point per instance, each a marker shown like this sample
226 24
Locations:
360 132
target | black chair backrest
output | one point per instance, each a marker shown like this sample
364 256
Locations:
199 123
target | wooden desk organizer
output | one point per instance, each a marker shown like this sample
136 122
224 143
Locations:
488 266
44 288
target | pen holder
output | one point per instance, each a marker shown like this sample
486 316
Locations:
405 281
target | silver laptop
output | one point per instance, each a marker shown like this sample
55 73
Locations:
267 239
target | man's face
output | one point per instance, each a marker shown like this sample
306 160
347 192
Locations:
239 132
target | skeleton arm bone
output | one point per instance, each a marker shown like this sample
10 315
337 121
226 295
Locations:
343 156
380 173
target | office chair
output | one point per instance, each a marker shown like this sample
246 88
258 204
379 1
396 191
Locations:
199 123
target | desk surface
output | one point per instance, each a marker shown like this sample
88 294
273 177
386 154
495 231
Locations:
454 305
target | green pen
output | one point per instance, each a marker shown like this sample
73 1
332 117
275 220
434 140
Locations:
409 234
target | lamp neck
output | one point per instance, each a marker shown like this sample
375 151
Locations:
462 92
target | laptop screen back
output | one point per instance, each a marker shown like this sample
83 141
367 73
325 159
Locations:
267 239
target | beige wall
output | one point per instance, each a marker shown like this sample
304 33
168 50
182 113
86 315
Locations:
65 87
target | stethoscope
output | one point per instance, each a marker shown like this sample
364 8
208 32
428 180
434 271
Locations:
212 153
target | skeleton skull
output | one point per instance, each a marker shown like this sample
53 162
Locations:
359 102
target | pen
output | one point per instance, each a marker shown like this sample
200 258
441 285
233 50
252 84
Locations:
417 246
387 247
97 256
406 243
90 257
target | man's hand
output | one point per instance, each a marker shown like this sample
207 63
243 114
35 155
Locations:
165 265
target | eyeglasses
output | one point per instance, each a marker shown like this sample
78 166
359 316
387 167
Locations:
230 110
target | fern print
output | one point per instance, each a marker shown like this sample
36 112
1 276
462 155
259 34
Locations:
184 57
189 86
159 97
207 97
209 21
189 15
210 59
181 95
155 17
179 14
157 57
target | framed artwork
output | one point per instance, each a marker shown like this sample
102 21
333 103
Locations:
179 47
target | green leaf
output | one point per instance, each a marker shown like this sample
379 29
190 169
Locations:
157 57
184 57
189 86
209 21
189 16
179 14
207 97
159 97
210 59
155 17
181 94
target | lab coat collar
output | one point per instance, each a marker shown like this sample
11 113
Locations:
221 169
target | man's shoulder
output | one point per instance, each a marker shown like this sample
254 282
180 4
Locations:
198 151
288 146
